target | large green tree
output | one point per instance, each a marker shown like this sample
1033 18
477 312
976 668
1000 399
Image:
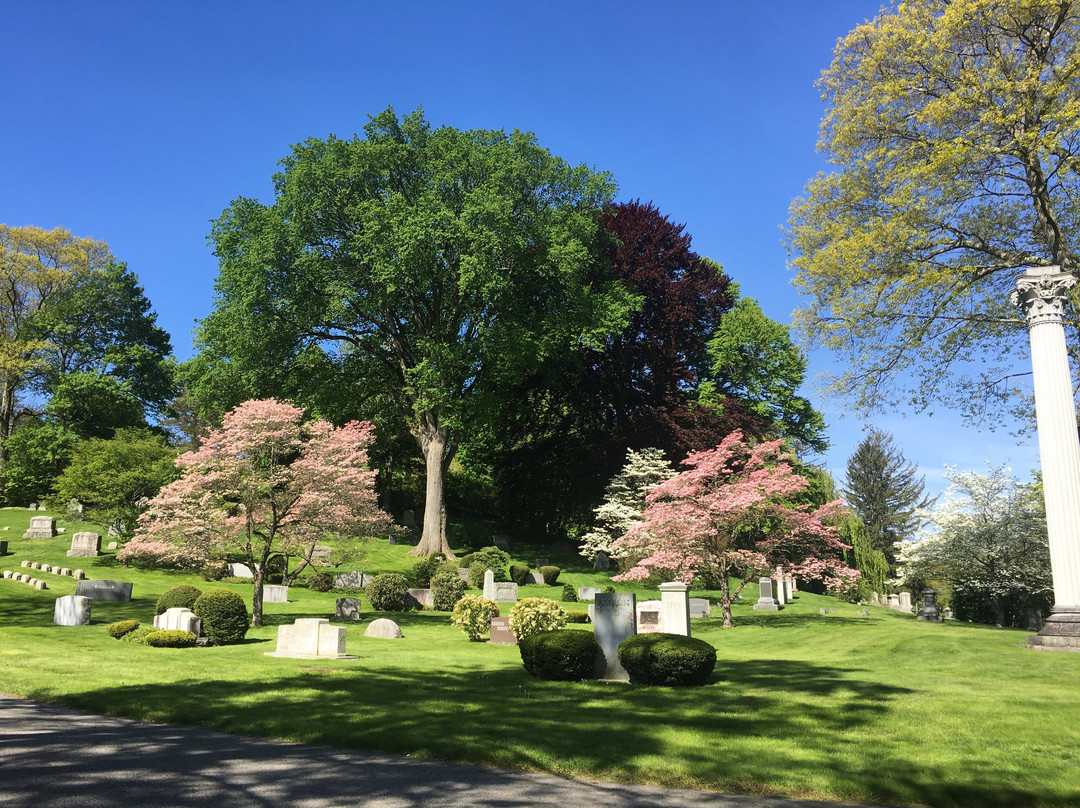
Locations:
953 131
429 266
884 490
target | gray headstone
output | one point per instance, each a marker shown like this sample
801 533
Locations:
463 574
586 593
505 592
275 593
85 544
409 519
41 527
40 585
501 633
78 575
601 562
928 612
351 580
117 591
614 620
347 609
422 598
766 601
384 629
700 607
534 577
24 563
72 610
322 554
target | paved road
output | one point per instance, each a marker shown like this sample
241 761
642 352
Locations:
61 758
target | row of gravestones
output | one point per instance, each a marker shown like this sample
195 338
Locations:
773 595
24 578
78 575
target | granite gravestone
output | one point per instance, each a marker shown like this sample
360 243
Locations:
421 598
347 609
675 598
41 527
86 544
117 591
275 593
72 610
351 580
766 602
700 607
500 632
929 610
601 562
311 638
615 619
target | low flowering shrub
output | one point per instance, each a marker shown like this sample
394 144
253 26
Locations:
118 630
577 617
667 659
472 614
559 656
170 638
531 615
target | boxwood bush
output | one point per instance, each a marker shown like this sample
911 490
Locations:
138 636
388 592
118 630
183 596
518 573
551 574
667 659
446 590
493 559
424 570
577 617
224 616
559 656
569 594
170 638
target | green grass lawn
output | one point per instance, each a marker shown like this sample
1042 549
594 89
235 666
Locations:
879 709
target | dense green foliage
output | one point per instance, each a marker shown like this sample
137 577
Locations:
472 614
388 592
171 638
530 615
182 596
560 656
321 581
551 574
425 568
667 659
518 573
121 627
224 616
447 589
137 636
36 454
569 594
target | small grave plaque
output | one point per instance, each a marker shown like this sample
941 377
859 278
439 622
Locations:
649 622
118 591
501 633
112 545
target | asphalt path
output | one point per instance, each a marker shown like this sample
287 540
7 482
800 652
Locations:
60 758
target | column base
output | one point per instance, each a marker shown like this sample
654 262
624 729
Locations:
1061 632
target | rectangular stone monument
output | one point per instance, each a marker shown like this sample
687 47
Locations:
650 617
894 602
41 527
347 609
311 638
179 618
421 598
587 592
766 602
615 619
675 598
875 599
501 633
3 548
72 610
505 592
351 580
85 543
238 570
116 591
275 593
322 554
534 577
778 591
700 607
905 602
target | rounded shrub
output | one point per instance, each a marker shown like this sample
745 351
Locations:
493 559
321 582
551 574
577 617
183 596
388 592
138 636
472 614
609 590
518 573
118 630
667 659
224 616
214 571
559 656
569 594
424 569
531 615
446 590
275 569
170 638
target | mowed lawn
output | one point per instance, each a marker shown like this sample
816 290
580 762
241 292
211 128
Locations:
842 707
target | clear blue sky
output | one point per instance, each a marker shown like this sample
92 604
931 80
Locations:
138 122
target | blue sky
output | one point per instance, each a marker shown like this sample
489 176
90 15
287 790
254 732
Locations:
138 122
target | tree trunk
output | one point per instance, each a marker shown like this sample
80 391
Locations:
434 439
7 419
725 600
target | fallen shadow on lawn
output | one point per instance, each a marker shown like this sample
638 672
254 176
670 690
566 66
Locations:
762 724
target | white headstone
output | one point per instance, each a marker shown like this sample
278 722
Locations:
489 585
587 592
650 617
41 527
615 619
179 618
237 570
675 597
766 602
311 638
72 610
85 544
384 629
275 593
905 602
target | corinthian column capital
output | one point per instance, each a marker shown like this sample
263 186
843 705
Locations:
1041 294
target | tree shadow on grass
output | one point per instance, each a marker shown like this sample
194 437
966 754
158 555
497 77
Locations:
792 620
765 725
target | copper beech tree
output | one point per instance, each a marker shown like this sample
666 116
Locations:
736 512
265 482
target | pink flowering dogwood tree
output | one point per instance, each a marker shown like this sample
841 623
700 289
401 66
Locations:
265 482
734 512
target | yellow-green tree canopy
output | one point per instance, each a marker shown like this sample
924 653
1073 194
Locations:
954 129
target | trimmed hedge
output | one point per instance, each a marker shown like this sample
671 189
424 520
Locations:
119 629
667 659
224 616
560 656
170 638
389 592
182 597
577 617
551 574
518 573
447 589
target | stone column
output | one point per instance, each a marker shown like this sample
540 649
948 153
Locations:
1041 294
